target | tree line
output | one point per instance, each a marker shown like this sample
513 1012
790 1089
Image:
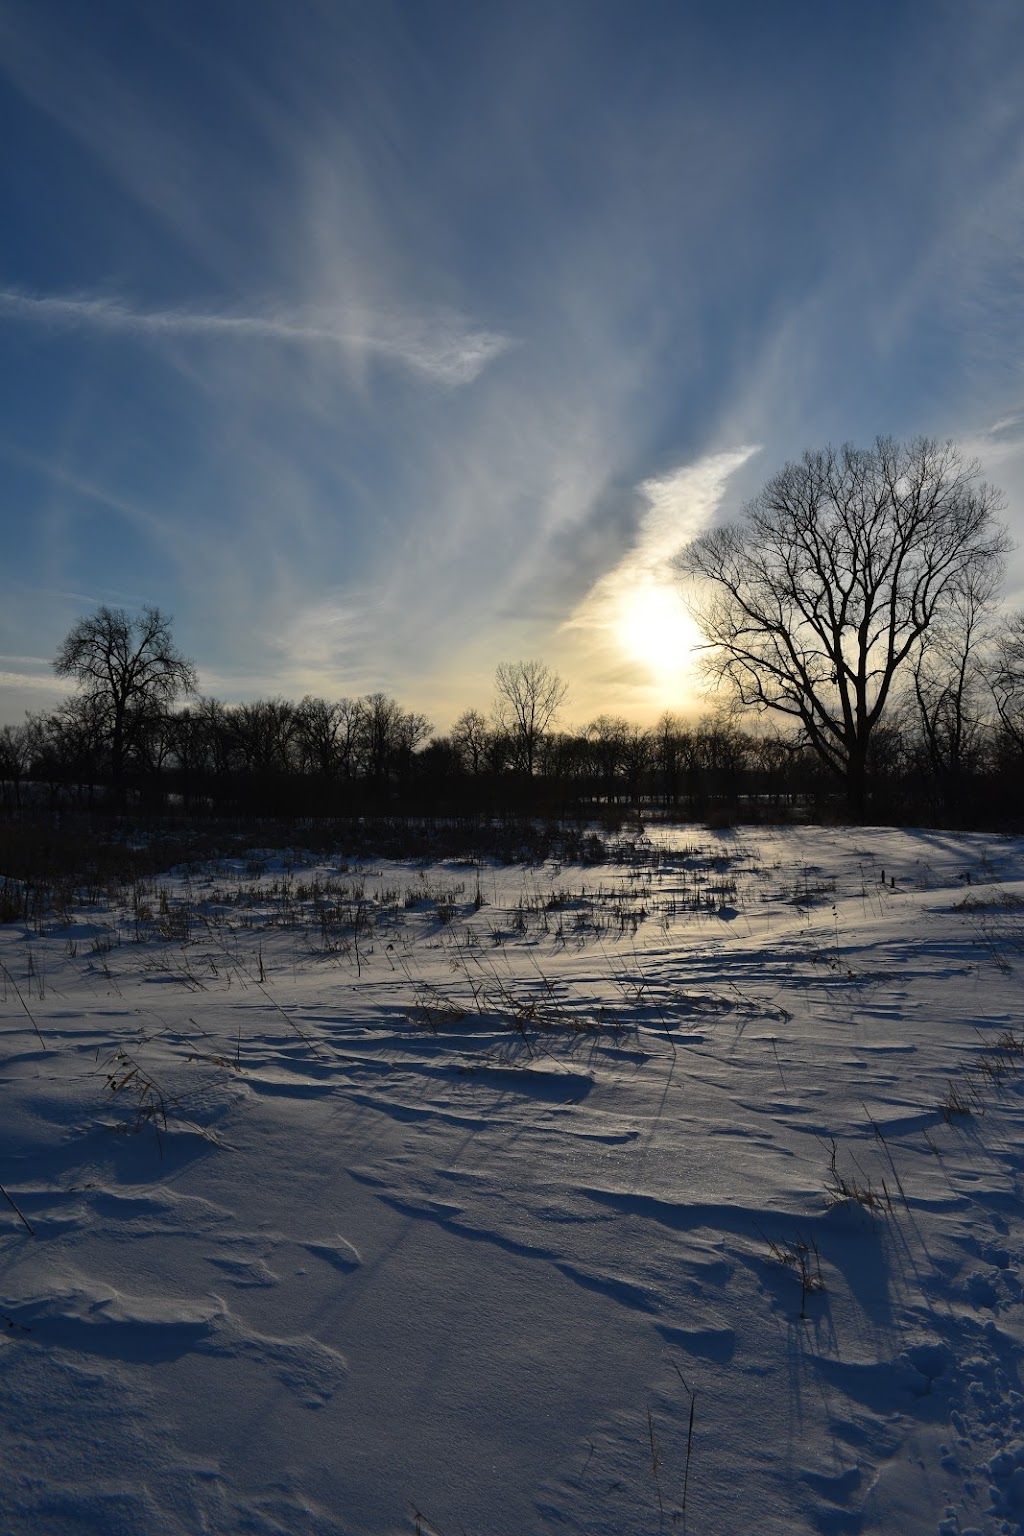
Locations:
952 753
851 631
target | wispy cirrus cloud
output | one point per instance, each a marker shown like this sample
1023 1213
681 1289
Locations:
34 682
31 675
680 506
636 609
407 321
84 488
443 348
999 448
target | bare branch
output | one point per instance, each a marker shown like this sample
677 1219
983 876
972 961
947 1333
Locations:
827 588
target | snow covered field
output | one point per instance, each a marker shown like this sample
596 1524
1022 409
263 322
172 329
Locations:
677 1193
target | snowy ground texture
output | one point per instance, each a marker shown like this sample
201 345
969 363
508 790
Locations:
680 1193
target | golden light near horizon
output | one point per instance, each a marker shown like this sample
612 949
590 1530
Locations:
633 646
654 628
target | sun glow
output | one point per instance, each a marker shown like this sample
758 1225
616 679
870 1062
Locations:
654 628
632 637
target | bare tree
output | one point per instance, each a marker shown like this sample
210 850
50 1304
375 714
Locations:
606 739
69 746
130 669
388 736
813 603
263 734
1007 682
15 758
471 738
328 732
673 754
213 741
953 703
529 697
618 754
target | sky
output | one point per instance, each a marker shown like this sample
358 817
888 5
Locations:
382 342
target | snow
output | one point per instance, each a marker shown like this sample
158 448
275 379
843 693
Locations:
374 1197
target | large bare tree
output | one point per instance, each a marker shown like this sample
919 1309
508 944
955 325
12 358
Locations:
130 670
813 603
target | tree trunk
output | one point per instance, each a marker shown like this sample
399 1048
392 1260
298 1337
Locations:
117 759
856 784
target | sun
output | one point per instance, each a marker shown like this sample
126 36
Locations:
654 628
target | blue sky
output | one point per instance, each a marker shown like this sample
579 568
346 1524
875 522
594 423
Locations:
379 343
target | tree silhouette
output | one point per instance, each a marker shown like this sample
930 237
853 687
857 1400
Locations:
813 603
529 697
129 670
1007 681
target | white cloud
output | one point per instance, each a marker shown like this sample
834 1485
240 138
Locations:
442 348
87 490
1008 429
32 680
1000 450
636 608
